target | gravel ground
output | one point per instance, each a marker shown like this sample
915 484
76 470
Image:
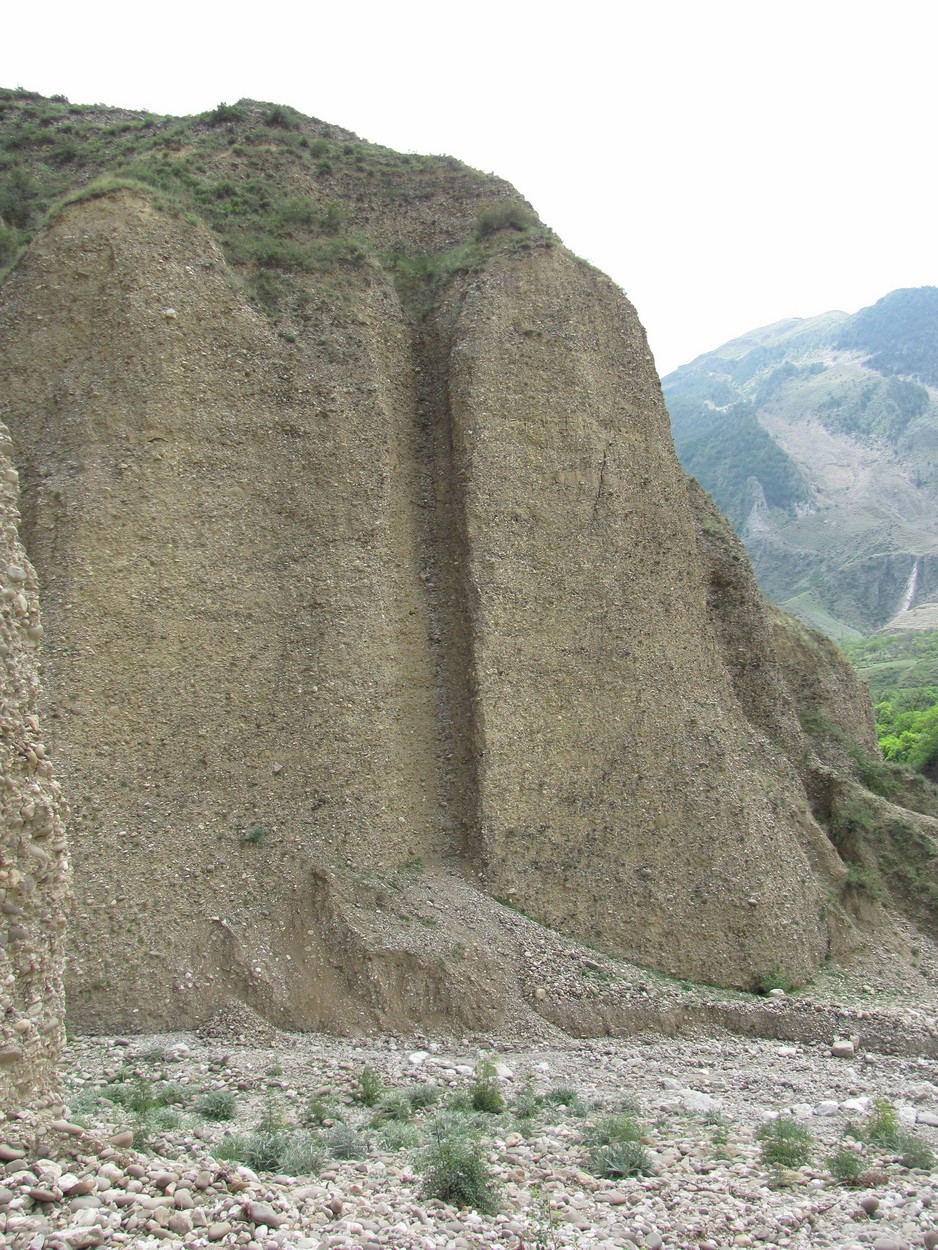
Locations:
700 1101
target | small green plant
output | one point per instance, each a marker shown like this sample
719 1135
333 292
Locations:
774 979
454 1170
846 1166
169 1094
544 1223
271 1120
135 1096
396 1106
422 1096
784 1143
223 114
263 1149
256 836
368 1087
280 118
505 215
527 1102
620 1127
484 1093
566 1097
399 1135
345 1142
303 1154
620 1158
217 1104
561 1096
915 1153
316 1112
881 1127
721 1134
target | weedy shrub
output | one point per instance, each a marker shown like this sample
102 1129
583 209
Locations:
137 1096
882 1127
568 1098
345 1142
399 1135
506 214
621 1158
303 1154
846 1166
915 1153
621 1127
394 1106
316 1112
162 1119
84 1102
454 1170
527 1103
263 1149
784 1143
294 1152
368 1087
484 1093
774 979
217 1104
561 1096
422 1096
224 113
172 1093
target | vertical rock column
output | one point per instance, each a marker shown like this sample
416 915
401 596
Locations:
33 859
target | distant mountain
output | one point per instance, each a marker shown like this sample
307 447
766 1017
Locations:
818 437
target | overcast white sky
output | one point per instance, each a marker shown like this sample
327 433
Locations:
727 163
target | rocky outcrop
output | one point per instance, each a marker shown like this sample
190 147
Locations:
351 627
33 857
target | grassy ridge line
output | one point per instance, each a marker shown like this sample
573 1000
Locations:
271 185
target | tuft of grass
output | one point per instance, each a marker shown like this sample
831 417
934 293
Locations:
504 215
774 979
399 1135
915 1153
395 1106
620 1127
217 1104
527 1103
784 1143
422 1096
619 1159
316 1112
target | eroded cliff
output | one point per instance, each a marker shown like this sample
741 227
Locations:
358 617
34 876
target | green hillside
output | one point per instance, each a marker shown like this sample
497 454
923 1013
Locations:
818 438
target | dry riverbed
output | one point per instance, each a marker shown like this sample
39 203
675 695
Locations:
134 1163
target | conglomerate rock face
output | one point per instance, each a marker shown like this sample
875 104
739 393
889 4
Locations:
33 858
400 597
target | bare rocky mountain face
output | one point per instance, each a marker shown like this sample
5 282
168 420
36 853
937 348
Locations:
375 599
819 438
